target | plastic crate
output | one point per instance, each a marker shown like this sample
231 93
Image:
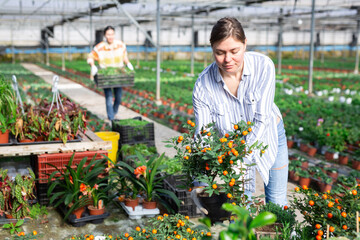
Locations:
133 135
42 167
41 192
121 80
131 159
187 205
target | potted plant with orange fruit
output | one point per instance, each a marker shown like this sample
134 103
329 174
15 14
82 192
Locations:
217 162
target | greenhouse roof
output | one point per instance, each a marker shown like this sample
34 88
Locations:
257 14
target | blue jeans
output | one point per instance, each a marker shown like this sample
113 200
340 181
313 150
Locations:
276 190
111 108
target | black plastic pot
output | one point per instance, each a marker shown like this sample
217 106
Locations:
213 206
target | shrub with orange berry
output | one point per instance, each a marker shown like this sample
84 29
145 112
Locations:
216 159
336 208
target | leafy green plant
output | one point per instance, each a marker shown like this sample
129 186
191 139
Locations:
14 228
37 211
283 215
244 225
7 105
68 182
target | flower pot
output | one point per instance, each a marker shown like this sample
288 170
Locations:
132 203
96 211
343 159
333 175
290 143
303 147
311 151
329 155
304 181
4 137
9 216
293 176
324 187
213 206
355 164
78 212
304 165
149 205
27 140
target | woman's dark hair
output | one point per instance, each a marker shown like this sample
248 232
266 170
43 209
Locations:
227 27
108 28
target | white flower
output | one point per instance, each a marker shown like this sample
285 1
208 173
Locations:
342 99
331 98
306 92
319 93
301 129
349 100
347 91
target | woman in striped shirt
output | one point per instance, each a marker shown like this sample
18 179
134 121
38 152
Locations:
110 53
239 86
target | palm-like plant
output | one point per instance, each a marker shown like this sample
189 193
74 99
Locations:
68 182
7 105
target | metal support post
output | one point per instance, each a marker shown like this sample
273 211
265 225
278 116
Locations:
138 49
158 52
192 42
47 49
280 40
357 53
62 49
311 57
91 32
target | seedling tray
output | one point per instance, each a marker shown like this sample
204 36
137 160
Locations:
77 139
111 81
139 211
85 217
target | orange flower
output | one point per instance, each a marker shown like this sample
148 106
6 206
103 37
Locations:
82 187
140 171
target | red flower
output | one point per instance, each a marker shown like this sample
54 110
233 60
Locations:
82 187
328 134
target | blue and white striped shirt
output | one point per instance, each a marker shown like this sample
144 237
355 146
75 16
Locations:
213 102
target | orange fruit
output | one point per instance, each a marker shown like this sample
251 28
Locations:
214 186
311 203
242 141
354 192
304 187
209 134
339 207
154 231
229 195
297 189
178 236
180 138
236 127
35 233
318 237
187 217
188 230
330 204
208 234
138 228
225 172
192 124
345 227
286 207
231 161
262 151
227 135
244 133
22 234
190 189
126 235
187 147
189 122
248 123
329 215
249 129
186 157
317 226
87 238
231 184
316 194
331 229
220 160
343 214
337 200
320 232
91 237
324 196
130 238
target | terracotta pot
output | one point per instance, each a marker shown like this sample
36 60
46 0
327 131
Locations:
27 140
132 203
311 151
290 143
149 205
324 187
9 216
304 181
334 175
78 212
355 164
343 160
96 211
39 139
4 137
304 165
293 176
329 155
303 147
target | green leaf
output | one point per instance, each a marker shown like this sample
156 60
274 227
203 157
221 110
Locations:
19 223
263 219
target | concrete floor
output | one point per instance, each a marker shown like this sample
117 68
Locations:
54 228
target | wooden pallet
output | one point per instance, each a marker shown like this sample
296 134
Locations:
89 142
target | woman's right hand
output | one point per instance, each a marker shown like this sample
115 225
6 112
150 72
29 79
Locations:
94 70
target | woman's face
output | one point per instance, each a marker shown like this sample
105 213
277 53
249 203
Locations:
110 35
229 54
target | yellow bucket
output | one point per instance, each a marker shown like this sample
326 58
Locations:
114 138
